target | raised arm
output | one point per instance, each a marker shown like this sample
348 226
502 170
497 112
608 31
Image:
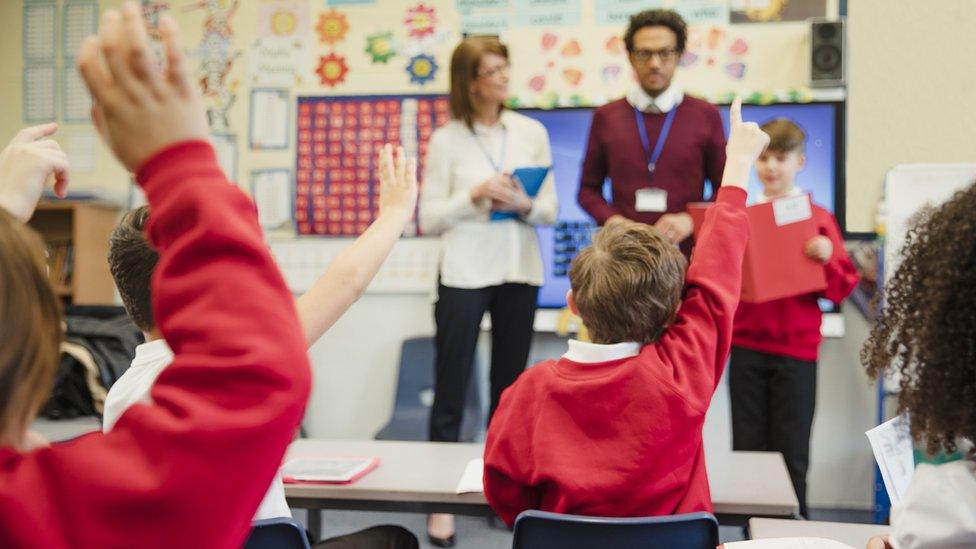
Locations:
349 274
698 341
190 470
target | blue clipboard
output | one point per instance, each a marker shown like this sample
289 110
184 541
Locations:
531 180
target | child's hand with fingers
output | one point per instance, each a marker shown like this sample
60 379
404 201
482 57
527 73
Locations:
398 183
26 164
819 248
746 143
139 107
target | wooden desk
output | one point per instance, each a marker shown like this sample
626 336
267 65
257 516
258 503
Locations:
855 535
421 477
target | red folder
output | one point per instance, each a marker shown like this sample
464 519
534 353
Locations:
774 266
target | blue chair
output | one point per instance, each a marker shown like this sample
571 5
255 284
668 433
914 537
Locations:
277 533
543 530
411 415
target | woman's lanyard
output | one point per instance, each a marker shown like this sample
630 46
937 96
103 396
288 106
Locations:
501 160
652 157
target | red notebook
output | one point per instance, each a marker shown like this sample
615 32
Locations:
327 469
774 266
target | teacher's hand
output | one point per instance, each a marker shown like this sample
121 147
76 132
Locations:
491 187
512 199
675 227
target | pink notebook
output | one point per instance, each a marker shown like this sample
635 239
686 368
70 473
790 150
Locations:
327 469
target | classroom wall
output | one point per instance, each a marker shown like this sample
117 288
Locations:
910 92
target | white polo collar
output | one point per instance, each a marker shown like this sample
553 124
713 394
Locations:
795 191
669 99
591 353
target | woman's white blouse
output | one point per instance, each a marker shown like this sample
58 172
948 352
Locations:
477 252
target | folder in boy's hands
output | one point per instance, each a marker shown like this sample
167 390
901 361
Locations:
327 469
775 266
531 180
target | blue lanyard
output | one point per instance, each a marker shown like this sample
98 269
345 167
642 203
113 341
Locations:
501 160
652 157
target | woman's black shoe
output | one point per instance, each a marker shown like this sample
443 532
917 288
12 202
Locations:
441 542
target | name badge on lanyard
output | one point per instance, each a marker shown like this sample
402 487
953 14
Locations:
652 199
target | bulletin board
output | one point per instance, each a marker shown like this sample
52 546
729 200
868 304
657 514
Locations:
336 190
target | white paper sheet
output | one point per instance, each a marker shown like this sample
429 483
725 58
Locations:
471 479
40 93
269 119
272 190
891 443
40 22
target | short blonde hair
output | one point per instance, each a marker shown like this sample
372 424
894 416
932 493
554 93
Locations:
30 328
464 70
627 285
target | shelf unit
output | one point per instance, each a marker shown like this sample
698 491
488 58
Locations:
77 233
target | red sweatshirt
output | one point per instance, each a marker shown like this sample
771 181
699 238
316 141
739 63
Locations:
190 470
791 326
623 438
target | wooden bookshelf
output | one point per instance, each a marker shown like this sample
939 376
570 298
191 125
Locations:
77 233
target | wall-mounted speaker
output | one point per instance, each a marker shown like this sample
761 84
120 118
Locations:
828 60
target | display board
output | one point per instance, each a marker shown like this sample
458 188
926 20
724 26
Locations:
338 141
568 131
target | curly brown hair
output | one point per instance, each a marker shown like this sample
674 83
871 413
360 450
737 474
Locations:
927 330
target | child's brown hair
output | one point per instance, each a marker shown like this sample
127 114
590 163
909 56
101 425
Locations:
784 135
627 285
30 337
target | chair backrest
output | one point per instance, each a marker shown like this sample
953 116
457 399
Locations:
277 533
415 377
543 530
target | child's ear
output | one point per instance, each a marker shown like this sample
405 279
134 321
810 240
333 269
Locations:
571 303
803 161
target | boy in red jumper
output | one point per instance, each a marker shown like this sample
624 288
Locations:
613 428
773 371
190 469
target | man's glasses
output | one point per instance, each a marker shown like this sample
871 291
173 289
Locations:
666 55
491 73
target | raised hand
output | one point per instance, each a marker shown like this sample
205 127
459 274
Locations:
398 183
26 164
746 143
139 107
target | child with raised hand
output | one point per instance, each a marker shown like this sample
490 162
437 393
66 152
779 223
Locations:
613 428
775 344
927 332
190 469
132 261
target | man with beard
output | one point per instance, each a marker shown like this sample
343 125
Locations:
657 145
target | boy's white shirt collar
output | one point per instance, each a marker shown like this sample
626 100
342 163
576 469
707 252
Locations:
592 353
669 99
152 352
795 191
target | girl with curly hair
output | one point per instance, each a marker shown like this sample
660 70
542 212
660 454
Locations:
928 334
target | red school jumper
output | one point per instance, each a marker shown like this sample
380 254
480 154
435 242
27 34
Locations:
791 326
190 470
623 438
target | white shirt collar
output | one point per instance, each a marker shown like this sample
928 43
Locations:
795 191
669 99
152 352
590 353
503 119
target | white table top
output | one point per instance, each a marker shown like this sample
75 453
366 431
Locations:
855 535
742 483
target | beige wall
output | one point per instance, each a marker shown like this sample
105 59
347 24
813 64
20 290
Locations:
910 96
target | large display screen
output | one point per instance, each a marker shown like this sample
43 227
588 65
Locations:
568 133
